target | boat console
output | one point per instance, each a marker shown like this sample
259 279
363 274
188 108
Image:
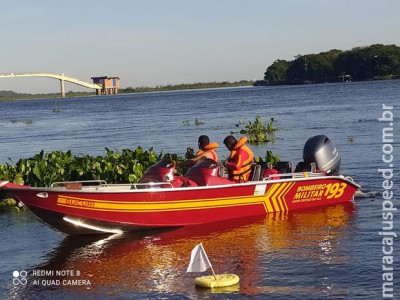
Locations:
159 172
206 172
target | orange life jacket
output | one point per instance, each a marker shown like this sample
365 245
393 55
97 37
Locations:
209 148
243 173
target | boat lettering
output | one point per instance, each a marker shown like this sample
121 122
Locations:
79 203
316 192
335 190
313 187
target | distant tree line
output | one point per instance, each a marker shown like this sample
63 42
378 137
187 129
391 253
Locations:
360 63
186 86
10 95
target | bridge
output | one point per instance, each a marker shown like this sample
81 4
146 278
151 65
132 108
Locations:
101 89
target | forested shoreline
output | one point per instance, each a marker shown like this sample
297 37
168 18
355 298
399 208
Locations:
360 63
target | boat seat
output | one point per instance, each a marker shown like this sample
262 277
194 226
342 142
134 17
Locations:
255 172
284 167
263 165
304 167
221 170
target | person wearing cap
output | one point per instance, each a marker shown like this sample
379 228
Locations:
240 159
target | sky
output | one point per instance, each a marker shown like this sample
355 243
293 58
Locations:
161 42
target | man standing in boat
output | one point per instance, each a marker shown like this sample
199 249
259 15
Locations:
206 150
240 159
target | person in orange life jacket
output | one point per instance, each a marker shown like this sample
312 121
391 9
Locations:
206 150
240 159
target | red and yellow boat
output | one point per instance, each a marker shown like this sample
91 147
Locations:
202 196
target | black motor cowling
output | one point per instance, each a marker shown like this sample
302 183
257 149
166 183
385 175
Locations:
321 151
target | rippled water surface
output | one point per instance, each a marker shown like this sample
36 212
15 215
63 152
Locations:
332 252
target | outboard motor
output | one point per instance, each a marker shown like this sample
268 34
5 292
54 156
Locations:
321 151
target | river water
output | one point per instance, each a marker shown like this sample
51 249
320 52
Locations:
332 252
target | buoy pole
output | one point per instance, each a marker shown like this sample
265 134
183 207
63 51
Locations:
212 269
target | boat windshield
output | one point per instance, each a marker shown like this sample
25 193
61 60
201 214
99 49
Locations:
164 163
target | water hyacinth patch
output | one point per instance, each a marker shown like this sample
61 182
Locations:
45 168
126 166
257 131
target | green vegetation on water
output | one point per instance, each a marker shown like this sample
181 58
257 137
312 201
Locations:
45 168
271 157
257 131
126 166
57 109
7 204
196 122
360 63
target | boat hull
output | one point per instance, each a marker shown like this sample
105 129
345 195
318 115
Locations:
114 209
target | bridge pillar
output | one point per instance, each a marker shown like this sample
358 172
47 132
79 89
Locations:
62 88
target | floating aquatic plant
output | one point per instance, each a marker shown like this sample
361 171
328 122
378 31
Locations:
257 131
197 122
271 157
126 166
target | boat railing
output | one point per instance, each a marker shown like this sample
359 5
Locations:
136 186
102 184
293 175
81 183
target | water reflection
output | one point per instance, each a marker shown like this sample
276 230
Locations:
156 261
